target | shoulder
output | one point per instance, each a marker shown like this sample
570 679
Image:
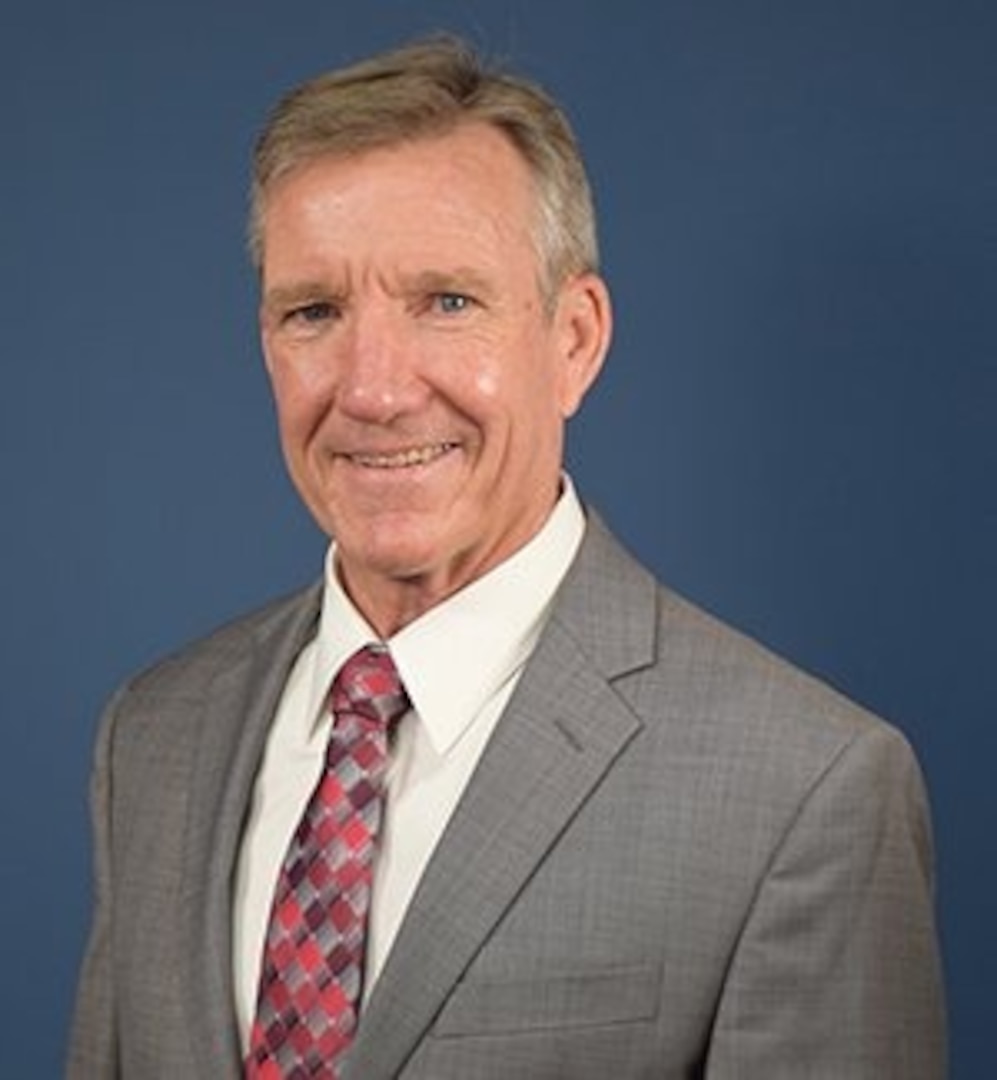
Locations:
158 719
290 619
706 690
737 753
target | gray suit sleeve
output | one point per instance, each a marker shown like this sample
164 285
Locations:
93 1039
837 974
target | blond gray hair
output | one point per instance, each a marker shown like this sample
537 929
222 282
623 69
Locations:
424 89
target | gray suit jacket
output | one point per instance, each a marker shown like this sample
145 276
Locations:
679 857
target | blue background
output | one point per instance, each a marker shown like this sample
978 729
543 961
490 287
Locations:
796 427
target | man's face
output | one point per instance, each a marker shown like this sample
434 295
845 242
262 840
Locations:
421 379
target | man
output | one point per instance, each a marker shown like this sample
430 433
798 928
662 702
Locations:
597 833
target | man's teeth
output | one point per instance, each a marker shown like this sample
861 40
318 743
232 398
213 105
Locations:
402 459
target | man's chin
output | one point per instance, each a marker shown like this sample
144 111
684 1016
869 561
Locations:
387 561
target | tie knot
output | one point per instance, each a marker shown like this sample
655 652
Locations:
368 685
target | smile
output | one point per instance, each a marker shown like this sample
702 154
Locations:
402 459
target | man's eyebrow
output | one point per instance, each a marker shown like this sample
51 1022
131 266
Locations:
280 297
460 279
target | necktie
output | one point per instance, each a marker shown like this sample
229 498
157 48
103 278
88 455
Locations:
312 972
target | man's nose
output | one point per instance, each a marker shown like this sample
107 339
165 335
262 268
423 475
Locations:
379 375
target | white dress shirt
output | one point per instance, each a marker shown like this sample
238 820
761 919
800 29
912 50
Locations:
459 662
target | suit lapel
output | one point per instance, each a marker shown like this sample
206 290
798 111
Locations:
560 733
235 716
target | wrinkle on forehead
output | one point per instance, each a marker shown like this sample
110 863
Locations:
344 198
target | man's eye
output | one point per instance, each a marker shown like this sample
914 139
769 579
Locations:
316 312
452 303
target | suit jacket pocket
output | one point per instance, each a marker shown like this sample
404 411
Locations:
589 997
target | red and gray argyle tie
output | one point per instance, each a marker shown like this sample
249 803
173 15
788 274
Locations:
312 972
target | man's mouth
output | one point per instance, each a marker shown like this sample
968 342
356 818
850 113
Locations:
402 459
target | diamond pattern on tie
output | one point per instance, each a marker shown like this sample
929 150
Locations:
312 974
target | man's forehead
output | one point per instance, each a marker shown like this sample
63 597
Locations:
408 212
471 151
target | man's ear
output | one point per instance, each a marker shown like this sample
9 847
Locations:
585 327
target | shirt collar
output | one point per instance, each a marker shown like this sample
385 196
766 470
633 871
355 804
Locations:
457 655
